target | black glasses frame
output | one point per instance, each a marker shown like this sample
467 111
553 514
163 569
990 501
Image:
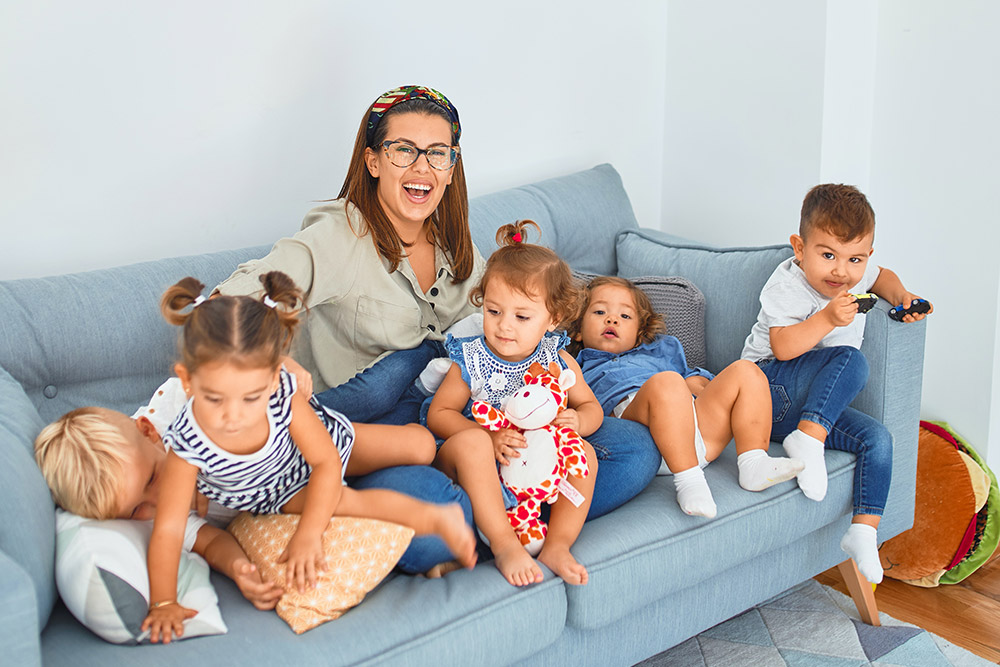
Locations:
455 151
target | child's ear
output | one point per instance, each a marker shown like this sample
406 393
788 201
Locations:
181 371
147 429
798 245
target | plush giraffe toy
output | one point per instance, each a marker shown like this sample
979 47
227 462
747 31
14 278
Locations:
551 455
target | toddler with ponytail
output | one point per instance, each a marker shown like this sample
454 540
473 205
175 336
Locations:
526 294
251 442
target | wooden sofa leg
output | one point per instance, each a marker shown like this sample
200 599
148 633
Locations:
861 591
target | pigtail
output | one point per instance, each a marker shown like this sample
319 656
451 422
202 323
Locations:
515 233
178 297
287 297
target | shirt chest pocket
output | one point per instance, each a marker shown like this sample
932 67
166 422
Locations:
380 326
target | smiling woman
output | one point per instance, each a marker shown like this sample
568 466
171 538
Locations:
385 269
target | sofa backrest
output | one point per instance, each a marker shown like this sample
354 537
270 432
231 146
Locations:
579 215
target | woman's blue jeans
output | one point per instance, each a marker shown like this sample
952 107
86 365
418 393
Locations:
385 393
818 386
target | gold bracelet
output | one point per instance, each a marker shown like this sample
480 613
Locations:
162 603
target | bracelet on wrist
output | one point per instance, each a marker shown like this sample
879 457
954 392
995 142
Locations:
161 603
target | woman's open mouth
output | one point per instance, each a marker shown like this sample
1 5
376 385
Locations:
417 191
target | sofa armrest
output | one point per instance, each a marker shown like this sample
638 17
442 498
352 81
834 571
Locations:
895 353
19 631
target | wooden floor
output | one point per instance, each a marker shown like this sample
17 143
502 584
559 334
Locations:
967 614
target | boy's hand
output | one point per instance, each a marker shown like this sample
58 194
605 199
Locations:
506 442
304 555
303 379
166 621
907 299
568 417
263 594
841 309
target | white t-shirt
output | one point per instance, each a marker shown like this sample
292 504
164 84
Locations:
787 298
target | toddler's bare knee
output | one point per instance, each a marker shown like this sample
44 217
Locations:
667 380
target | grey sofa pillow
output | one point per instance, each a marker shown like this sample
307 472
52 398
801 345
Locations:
682 306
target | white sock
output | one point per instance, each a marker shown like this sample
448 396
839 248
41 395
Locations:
693 494
812 479
861 543
433 374
759 471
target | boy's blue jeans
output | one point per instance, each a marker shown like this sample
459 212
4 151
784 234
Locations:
385 393
818 386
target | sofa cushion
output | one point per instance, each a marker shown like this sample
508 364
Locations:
27 531
359 554
623 551
591 205
103 580
465 618
643 253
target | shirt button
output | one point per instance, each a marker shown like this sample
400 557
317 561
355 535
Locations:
434 291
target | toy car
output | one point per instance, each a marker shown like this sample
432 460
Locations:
916 306
865 302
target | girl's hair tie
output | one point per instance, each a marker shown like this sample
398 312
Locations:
269 302
198 300
517 238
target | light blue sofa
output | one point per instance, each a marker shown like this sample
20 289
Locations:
657 576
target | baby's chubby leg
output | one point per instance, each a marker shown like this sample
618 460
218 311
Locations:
737 404
565 523
663 404
467 457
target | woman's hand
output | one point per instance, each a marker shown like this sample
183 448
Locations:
568 417
506 442
304 556
262 594
303 379
167 620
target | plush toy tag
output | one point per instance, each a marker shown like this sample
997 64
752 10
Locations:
570 493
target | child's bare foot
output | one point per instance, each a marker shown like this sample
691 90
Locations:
442 569
558 559
516 565
449 524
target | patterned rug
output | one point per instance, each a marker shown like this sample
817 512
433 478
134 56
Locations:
813 626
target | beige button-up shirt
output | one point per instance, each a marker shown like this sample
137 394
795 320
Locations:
358 310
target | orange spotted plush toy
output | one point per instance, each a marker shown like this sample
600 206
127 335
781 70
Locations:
552 453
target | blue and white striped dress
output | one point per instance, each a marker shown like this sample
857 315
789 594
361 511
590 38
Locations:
261 482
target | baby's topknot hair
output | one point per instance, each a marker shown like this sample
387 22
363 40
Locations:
530 269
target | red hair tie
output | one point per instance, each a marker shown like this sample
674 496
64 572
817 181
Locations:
517 237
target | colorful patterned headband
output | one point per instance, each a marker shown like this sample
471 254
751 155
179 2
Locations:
390 99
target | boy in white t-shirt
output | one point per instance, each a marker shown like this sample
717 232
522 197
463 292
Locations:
807 340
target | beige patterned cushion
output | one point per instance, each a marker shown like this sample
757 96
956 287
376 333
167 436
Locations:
359 553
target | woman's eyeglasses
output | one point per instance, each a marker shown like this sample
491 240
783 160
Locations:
403 154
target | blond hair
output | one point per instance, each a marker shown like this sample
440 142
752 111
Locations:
80 456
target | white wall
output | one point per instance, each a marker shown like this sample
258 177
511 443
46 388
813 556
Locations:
743 117
896 96
132 131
